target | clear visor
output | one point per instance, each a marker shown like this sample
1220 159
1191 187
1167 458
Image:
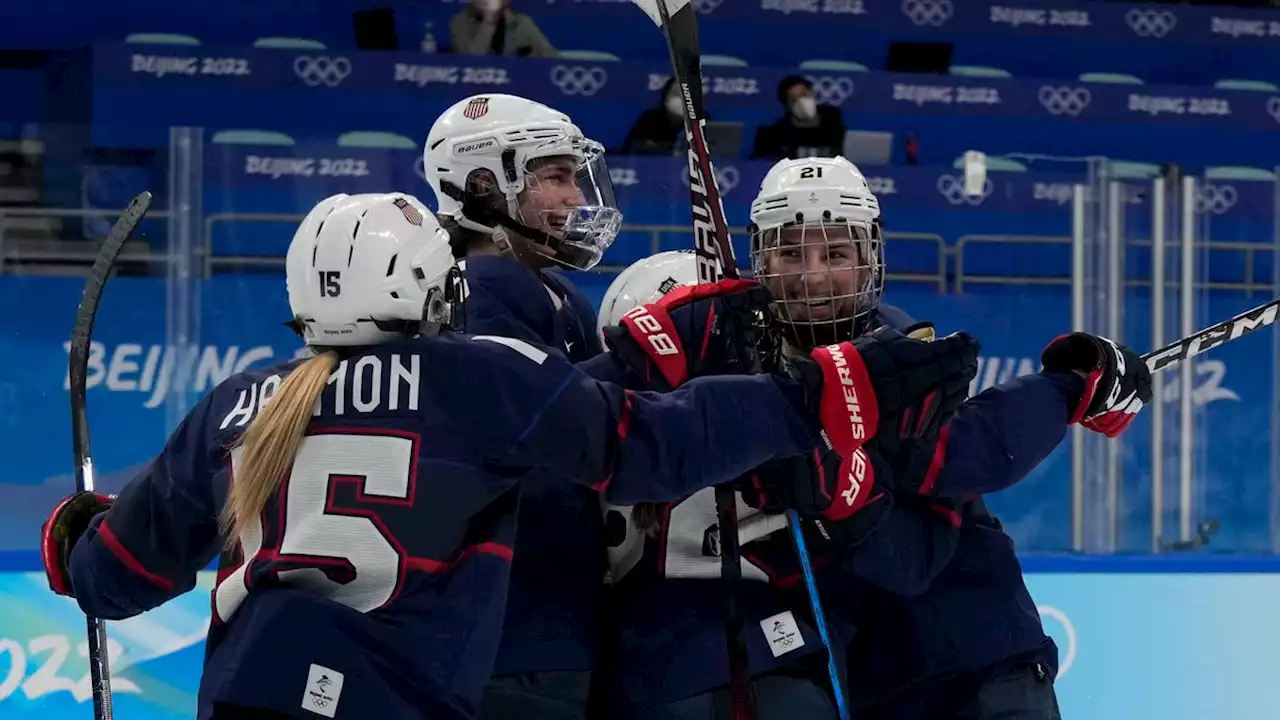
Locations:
826 276
567 195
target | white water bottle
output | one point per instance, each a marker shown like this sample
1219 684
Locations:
428 39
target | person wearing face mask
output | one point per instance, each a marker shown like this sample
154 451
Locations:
806 129
660 129
491 27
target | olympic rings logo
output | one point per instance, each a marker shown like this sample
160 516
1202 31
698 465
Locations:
928 12
321 70
952 188
1064 100
831 90
727 178
578 80
1151 23
1273 108
1215 199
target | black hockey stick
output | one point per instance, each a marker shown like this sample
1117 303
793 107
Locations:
714 250
1213 336
78 371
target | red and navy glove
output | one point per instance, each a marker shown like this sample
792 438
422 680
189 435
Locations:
1117 382
59 534
841 493
886 383
695 330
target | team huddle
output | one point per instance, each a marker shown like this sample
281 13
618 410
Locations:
477 499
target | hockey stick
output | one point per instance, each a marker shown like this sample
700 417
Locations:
1213 336
714 250
78 371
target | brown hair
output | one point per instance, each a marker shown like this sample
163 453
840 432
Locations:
268 446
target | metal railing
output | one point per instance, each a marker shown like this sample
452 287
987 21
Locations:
210 262
1249 284
61 254
655 232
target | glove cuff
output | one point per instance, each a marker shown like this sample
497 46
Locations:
847 407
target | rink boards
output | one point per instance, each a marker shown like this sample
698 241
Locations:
1152 645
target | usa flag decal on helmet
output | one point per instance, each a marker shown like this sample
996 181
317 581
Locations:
477 108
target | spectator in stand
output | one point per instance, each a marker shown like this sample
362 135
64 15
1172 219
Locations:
660 129
806 129
491 27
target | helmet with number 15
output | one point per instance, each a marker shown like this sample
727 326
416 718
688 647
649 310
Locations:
366 269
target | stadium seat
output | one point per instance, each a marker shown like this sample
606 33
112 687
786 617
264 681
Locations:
1238 172
995 163
1108 77
979 71
376 139
160 39
252 137
723 61
1129 170
1244 84
834 66
289 43
598 55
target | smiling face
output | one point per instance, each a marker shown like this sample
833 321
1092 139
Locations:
551 194
824 276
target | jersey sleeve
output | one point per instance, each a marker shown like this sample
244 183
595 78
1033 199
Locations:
161 530
914 541
1003 433
644 446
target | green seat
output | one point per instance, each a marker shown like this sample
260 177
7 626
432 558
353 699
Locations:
1243 84
834 66
376 139
1107 77
979 71
723 61
1238 172
252 137
596 55
160 39
289 43
995 164
1129 170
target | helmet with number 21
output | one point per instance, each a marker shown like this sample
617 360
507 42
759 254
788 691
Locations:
817 244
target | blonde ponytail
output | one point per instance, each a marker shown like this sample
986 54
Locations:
271 442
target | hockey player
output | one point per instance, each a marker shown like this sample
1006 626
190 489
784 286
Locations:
521 191
670 660
968 642
366 535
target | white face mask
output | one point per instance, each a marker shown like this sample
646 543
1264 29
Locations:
805 108
674 105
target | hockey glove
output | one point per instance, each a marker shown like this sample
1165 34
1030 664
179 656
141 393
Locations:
821 483
705 329
59 534
886 383
1117 382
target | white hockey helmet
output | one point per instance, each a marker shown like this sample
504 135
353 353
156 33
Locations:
503 164
817 245
646 281
365 269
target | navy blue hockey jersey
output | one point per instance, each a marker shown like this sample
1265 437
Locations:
552 617
969 608
375 582
670 622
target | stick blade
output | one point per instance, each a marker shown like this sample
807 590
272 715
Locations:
650 8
